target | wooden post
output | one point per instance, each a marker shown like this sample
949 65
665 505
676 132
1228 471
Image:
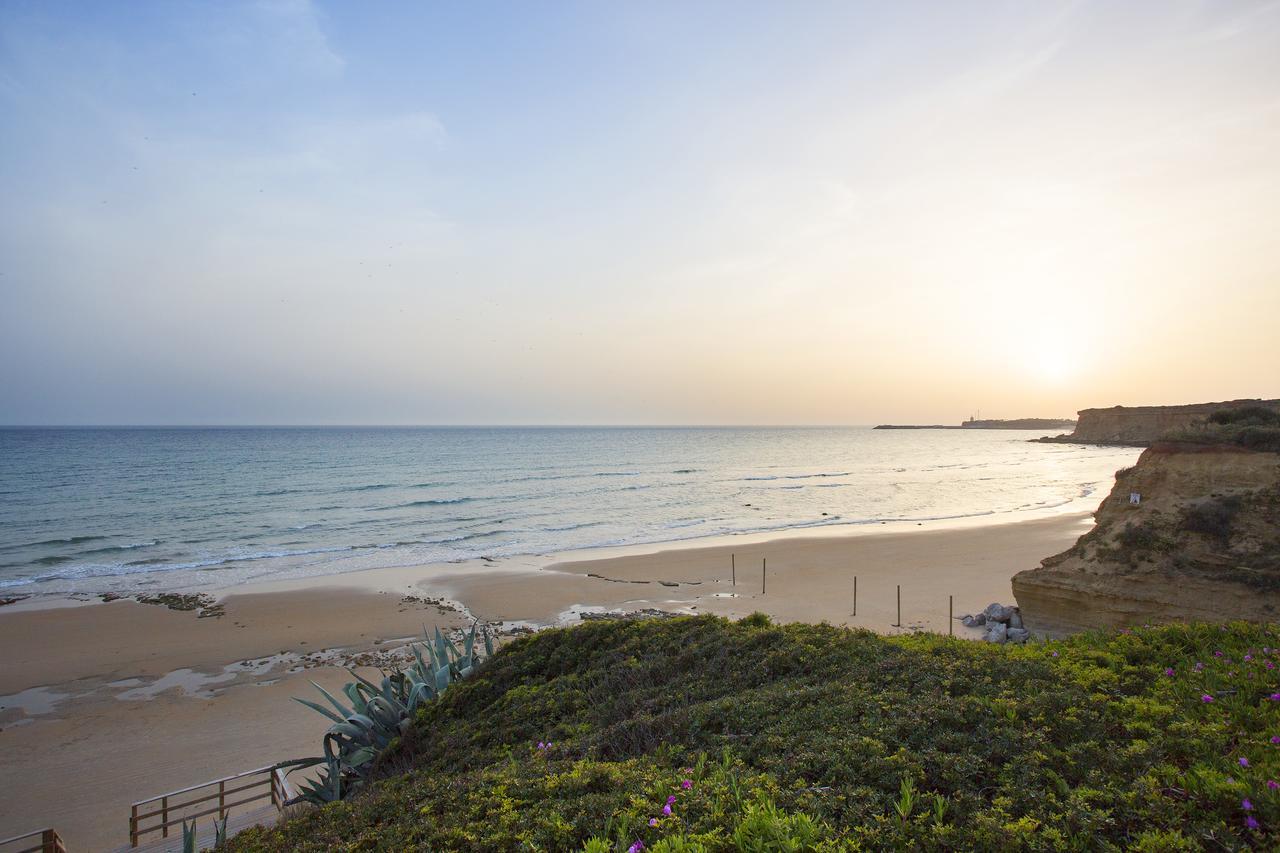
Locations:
951 620
733 567
764 573
164 816
222 798
855 595
898 624
133 827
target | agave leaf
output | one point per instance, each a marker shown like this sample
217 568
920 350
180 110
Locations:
442 678
417 653
442 647
362 720
342 709
317 707
355 732
362 756
470 644
488 642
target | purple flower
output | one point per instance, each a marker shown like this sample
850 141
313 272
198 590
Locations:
1206 698
636 848
666 810
1217 654
653 821
1273 784
1055 654
687 784
541 745
1248 658
1250 822
1244 762
1199 667
1169 672
1246 805
1275 697
1270 665
671 800
1275 738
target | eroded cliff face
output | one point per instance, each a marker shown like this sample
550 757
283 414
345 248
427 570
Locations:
1143 425
1202 543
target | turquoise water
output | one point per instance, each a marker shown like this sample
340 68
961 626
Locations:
112 509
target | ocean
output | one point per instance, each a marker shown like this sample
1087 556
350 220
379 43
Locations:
120 509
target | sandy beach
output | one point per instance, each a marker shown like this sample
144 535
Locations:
102 704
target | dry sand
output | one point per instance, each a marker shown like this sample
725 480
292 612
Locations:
105 704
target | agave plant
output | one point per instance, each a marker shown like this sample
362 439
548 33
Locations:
190 835
376 714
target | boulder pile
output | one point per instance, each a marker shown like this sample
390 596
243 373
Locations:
1002 621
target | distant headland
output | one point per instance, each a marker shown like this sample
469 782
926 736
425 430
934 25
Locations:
974 423
1141 426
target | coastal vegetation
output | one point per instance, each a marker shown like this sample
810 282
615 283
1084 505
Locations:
1252 427
701 734
374 716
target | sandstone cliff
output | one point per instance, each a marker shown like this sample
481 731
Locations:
1142 425
1202 543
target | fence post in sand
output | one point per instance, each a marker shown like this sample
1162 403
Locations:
733 567
855 595
133 827
951 618
764 573
222 798
898 624
164 816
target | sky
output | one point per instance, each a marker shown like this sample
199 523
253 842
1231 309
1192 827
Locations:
291 212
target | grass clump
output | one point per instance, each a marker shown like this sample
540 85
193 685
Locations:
699 734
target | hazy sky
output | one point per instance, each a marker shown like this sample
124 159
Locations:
293 212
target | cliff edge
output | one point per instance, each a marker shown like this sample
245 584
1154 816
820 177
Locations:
1191 532
1140 426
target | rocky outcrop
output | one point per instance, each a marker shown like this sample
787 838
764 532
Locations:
1003 624
1192 532
1140 426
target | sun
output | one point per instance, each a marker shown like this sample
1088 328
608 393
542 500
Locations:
1051 362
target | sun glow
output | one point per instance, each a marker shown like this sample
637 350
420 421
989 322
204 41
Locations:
1053 362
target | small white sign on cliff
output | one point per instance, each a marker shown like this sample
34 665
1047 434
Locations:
1135 498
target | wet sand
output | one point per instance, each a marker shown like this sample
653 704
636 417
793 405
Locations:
105 704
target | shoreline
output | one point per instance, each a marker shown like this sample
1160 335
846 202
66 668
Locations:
369 577
96 693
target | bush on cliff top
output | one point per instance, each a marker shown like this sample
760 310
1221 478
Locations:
1254 427
810 737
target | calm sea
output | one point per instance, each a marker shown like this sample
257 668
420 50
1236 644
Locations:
111 509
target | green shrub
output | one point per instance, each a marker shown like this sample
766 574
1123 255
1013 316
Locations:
1246 416
1211 517
1136 538
1252 427
829 739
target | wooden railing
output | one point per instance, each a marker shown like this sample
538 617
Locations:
216 797
49 843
